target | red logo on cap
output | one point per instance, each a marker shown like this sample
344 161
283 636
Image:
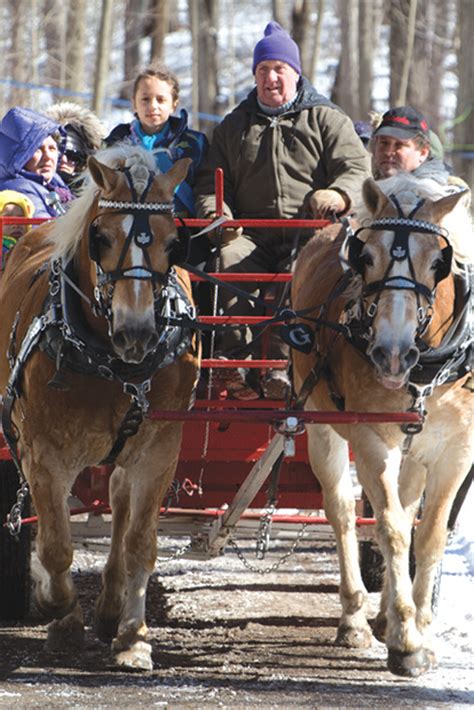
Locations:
400 119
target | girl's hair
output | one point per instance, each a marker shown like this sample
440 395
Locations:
159 71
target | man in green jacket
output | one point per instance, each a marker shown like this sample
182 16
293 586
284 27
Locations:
286 152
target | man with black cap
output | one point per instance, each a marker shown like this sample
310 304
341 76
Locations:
286 152
402 141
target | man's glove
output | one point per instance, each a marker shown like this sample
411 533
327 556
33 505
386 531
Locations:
228 233
323 203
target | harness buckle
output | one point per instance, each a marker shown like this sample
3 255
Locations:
138 392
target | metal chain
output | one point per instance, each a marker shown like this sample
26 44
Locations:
14 516
275 565
263 533
179 553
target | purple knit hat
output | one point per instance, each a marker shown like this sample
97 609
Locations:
277 45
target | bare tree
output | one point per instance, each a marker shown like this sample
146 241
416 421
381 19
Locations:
279 12
204 38
134 18
429 53
464 122
104 42
75 45
368 28
345 90
302 31
18 56
55 36
160 13
316 40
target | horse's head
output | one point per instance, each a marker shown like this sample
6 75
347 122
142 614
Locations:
402 253
133 242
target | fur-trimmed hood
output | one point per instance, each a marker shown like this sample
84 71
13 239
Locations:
81 119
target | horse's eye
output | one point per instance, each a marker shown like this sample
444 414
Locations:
103 242
436 264
366 259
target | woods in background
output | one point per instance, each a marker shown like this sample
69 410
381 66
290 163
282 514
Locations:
89 50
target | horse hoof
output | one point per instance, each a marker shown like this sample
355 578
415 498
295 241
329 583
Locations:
354 637
410 665
135 658
66 633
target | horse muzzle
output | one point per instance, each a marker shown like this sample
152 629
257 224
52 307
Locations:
393 364
133 343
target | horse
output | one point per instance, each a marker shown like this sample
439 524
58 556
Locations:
97 323
385 318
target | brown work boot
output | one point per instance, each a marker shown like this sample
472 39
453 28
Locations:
276 385
240 382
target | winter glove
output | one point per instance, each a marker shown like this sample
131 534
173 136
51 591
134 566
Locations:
323 203
228 233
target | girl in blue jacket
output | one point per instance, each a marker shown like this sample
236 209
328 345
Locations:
155 98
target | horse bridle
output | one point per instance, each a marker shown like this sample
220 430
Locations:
141 234
402 226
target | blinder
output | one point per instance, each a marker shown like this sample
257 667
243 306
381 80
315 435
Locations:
180 247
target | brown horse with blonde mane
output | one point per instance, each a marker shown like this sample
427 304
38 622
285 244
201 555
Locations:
96 324
388 307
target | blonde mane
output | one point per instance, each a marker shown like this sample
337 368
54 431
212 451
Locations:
67 230
409 189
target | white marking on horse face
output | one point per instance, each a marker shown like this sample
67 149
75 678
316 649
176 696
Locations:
131 311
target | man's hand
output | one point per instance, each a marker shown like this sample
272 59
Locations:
228 233
323 203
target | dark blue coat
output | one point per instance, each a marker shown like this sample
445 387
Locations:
173 142
22 131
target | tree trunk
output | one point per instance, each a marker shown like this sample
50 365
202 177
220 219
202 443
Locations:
367 47
301 32
410 39
18 56
317 41
134 16
345 91
279 13
429 52
55 34
104 41
464 123
75 45
204 26
160 13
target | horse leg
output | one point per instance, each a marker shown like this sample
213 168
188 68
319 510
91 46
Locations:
130 647
109 605
54 589
410 487
329 460
378 470
431 533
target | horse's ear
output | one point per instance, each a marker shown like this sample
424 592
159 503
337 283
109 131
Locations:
103 176
374 198
178 171
446 204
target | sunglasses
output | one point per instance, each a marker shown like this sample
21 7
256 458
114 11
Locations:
74 156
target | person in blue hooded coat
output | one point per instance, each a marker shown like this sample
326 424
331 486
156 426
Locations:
29 153
155 98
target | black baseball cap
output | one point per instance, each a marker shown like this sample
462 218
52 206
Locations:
403 122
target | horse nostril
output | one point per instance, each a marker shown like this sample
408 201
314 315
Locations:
411 357
118 339
379 356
